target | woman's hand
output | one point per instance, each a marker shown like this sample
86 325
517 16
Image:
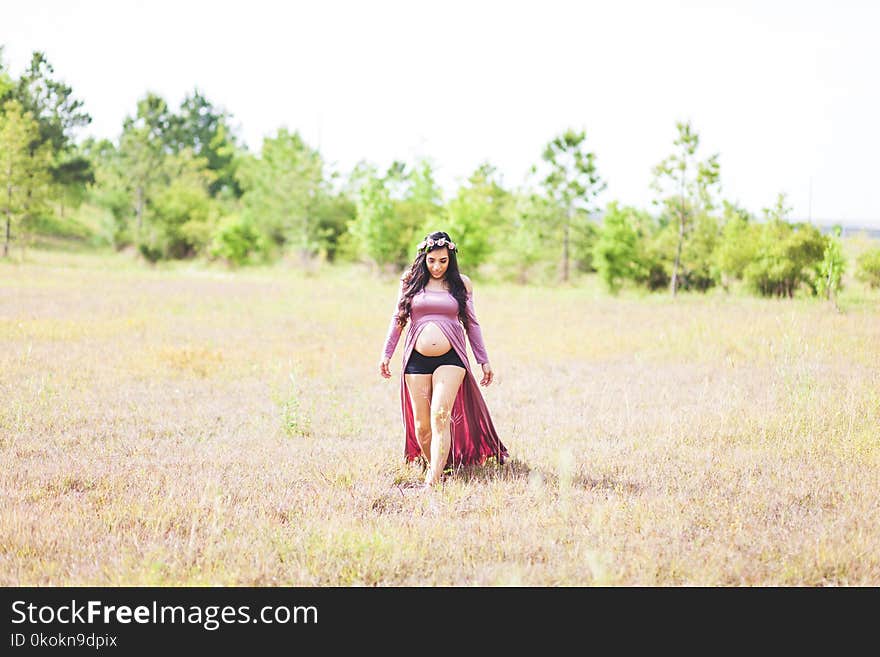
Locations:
488 375
384 370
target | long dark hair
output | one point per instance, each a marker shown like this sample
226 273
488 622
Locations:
415 279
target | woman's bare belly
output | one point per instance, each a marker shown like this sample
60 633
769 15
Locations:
432 341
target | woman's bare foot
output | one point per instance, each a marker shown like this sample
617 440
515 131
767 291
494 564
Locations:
431 481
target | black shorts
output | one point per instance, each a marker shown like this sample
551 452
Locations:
421 364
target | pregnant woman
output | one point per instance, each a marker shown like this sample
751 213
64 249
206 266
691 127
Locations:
445 417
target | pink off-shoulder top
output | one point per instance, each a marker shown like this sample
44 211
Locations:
440 307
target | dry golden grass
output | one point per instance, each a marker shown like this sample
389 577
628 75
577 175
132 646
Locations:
190 426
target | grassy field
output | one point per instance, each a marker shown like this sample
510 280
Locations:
187 425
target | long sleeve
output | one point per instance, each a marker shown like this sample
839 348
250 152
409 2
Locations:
394 330
391 340
475 334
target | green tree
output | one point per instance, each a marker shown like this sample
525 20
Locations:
424 192
685 186
698 270
334 213
779 212
737 246
72 174
284 189
477 214
112 191
7 84
375 229
205 130
182 214
142 151
24 170
523 250
830 272
616 251
392 211
571 184
58 114
418 204
236 240
788 256
158 172
868 267
51 103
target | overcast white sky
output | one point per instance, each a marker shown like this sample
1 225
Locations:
787 92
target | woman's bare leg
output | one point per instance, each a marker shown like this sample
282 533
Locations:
446 382
420 388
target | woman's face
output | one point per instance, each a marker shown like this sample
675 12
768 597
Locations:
438 262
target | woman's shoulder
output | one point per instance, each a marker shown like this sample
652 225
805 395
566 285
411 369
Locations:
467 283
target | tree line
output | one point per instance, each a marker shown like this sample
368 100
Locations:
177 183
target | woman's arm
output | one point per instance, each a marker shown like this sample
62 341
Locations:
475 333
394 329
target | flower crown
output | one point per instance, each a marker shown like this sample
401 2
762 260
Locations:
429 243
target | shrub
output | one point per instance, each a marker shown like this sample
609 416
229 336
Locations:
615 252
868 268
236 240
788 257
